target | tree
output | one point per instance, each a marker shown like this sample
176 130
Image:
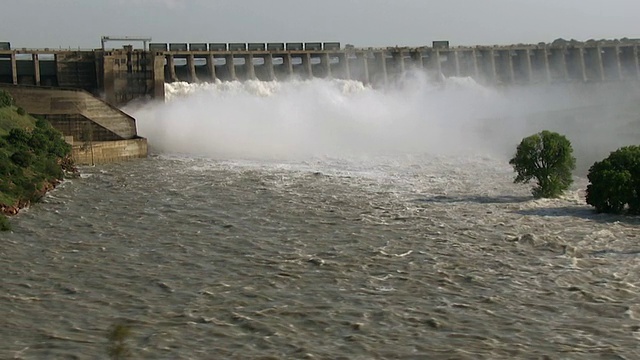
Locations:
614 183
548 158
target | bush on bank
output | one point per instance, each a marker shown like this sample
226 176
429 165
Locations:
548 158
614 183
31 159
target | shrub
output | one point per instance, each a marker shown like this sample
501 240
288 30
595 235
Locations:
18 137
548 158
21 111
22 158
5 225
614 183
5 99
7 167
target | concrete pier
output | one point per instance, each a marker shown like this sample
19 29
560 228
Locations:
211 67
36 68
306 65
191 66
231 68
14 69
268 63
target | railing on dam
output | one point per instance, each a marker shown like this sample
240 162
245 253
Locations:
125 74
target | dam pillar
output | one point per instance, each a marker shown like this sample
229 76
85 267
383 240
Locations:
599 65
172 68
250 67
398 59
158 77
510 72
191 65
438 63
456 62
363 57
474 60
231 68
493 71
381 65
14 69
211 67
618 62
343 60
528 65
306 64
288 65
326 64
36 68
268 62
581 64
545 63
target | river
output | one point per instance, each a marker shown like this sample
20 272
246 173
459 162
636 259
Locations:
315 245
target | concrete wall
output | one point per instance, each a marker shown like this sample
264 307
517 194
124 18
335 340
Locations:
103 152
39 100
98 132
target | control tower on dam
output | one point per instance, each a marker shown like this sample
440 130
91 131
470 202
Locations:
121 75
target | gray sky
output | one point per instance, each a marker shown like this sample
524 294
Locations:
80 23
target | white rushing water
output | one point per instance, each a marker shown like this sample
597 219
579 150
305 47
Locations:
315 118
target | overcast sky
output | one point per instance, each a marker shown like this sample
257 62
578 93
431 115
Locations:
81 23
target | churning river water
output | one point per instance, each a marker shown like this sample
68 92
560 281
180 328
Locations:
365 253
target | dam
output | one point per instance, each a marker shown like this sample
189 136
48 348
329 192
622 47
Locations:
81 91
121 75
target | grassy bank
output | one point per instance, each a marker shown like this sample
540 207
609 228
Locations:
33 160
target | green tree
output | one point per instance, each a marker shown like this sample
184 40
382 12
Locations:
548 158
614 183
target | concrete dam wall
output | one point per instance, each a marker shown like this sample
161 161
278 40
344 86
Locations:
119 76
97 131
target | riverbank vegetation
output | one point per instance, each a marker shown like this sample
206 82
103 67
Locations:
615 182
33 158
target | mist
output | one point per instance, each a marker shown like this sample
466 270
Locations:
304 119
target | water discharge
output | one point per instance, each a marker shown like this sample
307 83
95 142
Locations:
315 118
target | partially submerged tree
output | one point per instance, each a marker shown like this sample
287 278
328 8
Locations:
548 158
614 183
